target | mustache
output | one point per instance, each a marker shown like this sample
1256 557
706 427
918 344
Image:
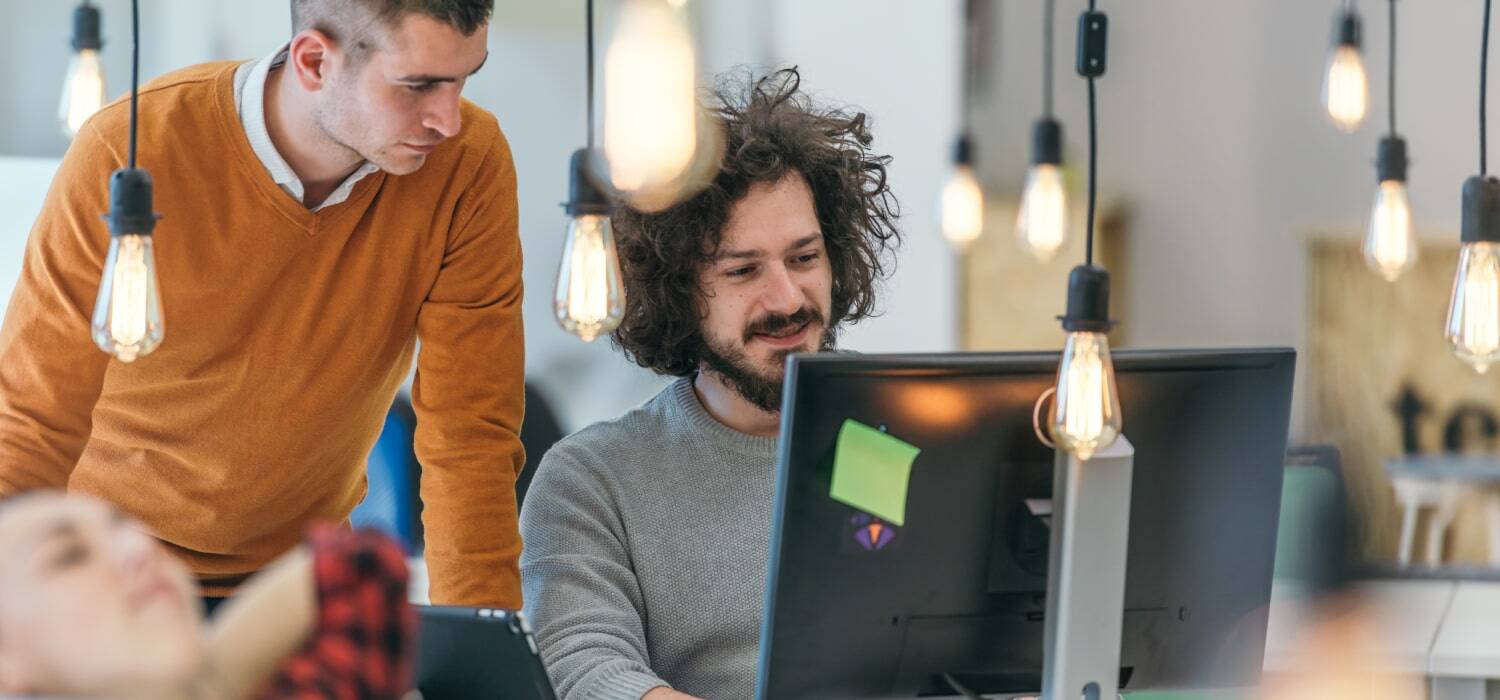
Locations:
775 323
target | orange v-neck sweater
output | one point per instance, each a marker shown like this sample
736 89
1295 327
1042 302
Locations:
288 333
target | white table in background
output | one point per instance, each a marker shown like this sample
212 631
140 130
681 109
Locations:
1466 654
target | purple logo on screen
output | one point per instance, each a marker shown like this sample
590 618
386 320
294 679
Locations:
871 532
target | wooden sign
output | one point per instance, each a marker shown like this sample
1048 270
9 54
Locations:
1382 382
1011 302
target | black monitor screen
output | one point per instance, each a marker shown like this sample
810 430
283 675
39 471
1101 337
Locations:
860 608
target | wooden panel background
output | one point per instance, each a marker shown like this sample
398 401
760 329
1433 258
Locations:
1369 340
1011 302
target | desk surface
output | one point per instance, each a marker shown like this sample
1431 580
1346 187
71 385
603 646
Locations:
1431 627
1409 614
1468 644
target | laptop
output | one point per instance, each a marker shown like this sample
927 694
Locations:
478 653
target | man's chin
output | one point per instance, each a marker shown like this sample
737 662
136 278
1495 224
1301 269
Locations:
400 164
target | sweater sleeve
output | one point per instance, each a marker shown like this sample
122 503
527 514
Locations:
581 590
469 396
51 373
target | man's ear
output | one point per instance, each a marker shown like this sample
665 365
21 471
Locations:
309 57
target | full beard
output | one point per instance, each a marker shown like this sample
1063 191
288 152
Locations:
744 375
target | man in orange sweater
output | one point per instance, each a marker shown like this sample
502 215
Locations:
323 209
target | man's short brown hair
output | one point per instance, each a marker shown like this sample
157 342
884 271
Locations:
351 22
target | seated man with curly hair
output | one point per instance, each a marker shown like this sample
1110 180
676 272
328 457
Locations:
647 536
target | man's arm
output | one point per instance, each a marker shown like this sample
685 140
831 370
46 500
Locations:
581 590
327 619
51 373
469 397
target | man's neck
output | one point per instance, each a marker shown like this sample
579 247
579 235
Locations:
319 163
728 407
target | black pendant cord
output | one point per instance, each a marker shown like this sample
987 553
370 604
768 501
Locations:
1391 72
1093 173
589 59
971 49
135 70
1049 11
1484 65
1093 167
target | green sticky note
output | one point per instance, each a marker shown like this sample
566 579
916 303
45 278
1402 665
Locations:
871 471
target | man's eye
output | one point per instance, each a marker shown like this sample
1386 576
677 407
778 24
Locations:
421 87
740 271
70 556
804 259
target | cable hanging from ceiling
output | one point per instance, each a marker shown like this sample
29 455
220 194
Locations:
1042 220
589 298
963 198
1473 324
1086 408
1390 246
127 321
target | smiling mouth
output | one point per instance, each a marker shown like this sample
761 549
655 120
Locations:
787 332
790 337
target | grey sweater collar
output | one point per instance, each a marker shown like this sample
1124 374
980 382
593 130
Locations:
685 402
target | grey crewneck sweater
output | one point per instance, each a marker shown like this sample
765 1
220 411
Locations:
645 553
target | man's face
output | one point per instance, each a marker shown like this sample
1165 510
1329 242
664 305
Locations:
768 290
401 101
90 602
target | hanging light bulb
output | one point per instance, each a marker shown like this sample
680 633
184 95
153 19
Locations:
1086 410
127 320
963 199
650 107
1473 328
1390 247
589 299
1042 223
1345 87
83 86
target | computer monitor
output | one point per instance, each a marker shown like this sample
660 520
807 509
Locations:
961 587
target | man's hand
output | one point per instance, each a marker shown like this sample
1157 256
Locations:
665 693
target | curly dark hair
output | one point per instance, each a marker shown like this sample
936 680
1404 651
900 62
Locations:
771 129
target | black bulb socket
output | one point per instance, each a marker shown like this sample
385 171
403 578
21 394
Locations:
130 211
1481 212
585 195
1346 30
1390 159
1088 301
1046 142
86 28
963 150
1093 40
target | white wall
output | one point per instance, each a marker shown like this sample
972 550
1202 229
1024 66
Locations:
23 184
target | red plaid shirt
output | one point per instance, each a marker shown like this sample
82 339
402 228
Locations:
361 647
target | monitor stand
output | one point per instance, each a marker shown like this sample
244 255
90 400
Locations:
1086 574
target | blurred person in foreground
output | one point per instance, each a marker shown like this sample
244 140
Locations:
91 605
647 536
